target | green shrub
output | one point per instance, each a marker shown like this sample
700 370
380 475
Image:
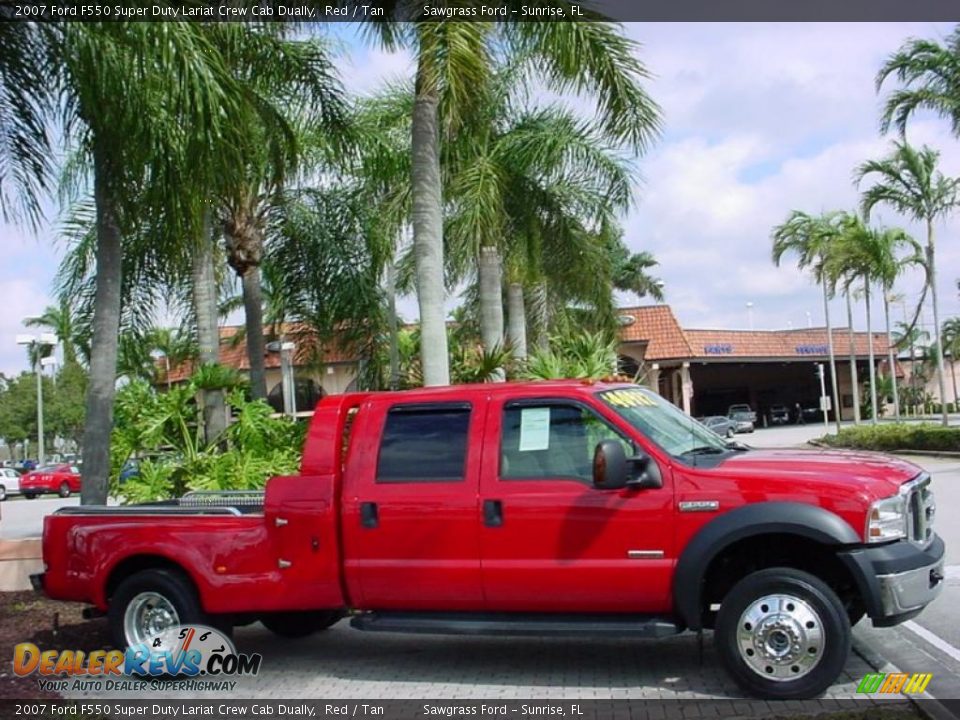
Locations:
896 436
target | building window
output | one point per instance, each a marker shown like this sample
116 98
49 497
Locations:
424 444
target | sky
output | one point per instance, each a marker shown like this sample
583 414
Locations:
759 119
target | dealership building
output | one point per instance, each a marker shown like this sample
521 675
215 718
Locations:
700 370
704 371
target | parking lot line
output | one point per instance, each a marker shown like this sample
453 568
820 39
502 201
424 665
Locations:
933 639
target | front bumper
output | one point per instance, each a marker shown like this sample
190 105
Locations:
899 579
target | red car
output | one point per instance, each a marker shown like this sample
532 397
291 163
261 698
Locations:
61 479
551 508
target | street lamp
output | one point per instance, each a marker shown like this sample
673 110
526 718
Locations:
286 350
37 343
750 314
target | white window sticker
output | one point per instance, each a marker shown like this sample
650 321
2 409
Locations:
534 429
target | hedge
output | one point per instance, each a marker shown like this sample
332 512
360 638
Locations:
896 436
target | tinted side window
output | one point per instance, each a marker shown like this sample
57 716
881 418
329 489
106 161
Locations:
424 445
552 441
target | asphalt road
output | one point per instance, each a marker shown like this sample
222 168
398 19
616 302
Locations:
22 518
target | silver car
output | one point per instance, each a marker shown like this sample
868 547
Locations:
9 482
723 426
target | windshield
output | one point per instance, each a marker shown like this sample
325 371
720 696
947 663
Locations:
662 422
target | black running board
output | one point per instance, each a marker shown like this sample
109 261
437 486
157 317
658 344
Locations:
523 624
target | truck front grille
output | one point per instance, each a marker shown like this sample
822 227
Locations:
922 509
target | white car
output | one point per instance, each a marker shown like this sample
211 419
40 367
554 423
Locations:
9 482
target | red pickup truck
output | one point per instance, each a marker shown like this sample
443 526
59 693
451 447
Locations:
548 508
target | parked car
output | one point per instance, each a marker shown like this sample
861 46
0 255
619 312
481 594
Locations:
723 426
61 479
779 415
25 465
551 508
743 419
9 482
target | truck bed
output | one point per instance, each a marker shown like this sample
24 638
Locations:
246 552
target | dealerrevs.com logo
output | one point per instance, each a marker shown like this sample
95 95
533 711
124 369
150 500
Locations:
196 657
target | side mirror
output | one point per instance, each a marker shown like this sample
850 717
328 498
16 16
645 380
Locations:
613 470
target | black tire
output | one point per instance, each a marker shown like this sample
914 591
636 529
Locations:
171 585
300 624
833 646
64 490
29 496
3 493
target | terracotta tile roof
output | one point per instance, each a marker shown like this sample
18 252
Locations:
666 340
233 351
658 327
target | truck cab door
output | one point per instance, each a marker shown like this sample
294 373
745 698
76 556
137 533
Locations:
410 528
557 543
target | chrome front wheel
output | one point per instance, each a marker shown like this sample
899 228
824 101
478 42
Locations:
780 637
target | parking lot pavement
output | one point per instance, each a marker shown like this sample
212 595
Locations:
345 663
22 518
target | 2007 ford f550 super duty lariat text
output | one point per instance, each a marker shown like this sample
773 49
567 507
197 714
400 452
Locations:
530 508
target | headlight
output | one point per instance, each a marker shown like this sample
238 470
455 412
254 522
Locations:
887 519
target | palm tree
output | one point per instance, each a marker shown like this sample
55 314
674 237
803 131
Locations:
452 77
176 95
908 336
811 239
515 170
26 103
300 107
872 255
909 181
951 344
61 320
929 74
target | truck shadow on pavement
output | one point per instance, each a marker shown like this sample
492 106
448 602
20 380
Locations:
346 663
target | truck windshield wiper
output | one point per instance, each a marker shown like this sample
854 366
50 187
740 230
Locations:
704 450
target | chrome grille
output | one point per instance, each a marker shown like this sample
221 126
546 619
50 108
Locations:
922 509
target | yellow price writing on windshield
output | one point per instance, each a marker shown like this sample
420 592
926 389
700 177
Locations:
628 398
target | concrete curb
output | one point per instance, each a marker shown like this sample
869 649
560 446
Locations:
18 560
930 707
923 453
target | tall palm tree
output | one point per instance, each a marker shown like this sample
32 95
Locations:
518 169
907 337
454 65
873 255
300 106
175 94
811 238
909 181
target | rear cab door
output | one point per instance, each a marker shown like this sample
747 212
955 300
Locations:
410 503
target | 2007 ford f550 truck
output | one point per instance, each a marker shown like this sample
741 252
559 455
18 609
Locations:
529 508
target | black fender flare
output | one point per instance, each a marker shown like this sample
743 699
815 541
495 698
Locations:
763 518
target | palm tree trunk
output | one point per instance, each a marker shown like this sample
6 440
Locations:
106 334
428 230
891 360
490 275
256 343
392 325
516 321
541 315
833 359
932 279
208 333
873 363
854 382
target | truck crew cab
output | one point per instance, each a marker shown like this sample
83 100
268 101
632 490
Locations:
542 508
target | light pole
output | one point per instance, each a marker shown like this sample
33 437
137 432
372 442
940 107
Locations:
824 400
286 349
750 314
37 343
